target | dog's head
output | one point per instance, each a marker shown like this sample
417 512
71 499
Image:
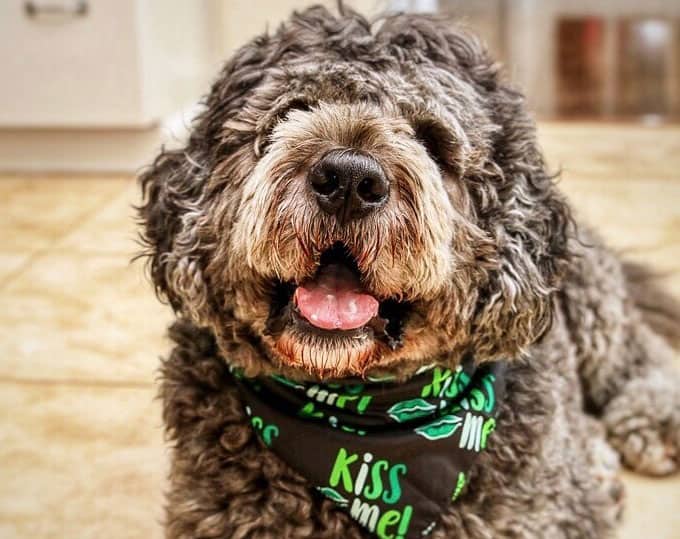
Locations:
358 198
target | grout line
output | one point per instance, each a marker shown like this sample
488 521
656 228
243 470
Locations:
22 267
76 382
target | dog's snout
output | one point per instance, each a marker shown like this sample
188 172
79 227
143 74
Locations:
348 184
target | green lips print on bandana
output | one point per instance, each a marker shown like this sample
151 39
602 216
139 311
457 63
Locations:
393 455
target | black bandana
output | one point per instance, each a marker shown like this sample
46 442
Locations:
393 455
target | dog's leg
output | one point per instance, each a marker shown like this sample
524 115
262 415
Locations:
548 472
627 370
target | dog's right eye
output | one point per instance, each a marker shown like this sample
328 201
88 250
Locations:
278 116
295 104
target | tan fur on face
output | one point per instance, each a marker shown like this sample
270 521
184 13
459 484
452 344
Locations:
473 236
403 250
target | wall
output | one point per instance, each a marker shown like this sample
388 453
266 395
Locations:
241 20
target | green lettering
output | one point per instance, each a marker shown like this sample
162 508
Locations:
460 484
488 385
477 399
405 522
434 388
363 403
489 426
460 382
269 433
375 489
389 518
344 399
393 495
341 470
308 410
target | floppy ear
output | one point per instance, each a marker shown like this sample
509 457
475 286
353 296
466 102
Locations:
519 207
183 189
526 222
171 189
530 223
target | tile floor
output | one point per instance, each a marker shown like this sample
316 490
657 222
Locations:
81 449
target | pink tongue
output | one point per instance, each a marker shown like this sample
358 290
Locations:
335 300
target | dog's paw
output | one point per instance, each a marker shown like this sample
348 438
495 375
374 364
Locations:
643 423
606 465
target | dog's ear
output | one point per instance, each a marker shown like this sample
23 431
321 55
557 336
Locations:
530 222
184 190
518 206
171 189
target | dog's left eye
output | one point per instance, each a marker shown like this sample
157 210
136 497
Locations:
437 141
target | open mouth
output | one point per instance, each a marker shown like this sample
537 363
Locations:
334 304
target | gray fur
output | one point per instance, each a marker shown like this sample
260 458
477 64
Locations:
520 281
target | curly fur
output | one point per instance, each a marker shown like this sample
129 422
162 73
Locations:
476 239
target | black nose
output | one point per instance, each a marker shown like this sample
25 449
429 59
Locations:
348 184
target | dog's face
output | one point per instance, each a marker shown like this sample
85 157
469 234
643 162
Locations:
356 200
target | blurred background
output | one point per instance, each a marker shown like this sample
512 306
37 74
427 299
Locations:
91 89
116 77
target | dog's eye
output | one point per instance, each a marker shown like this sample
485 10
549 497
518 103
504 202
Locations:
437 141
295 104
263 142
284 110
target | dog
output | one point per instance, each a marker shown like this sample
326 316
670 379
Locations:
360 205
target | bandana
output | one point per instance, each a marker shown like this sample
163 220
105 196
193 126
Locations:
393 455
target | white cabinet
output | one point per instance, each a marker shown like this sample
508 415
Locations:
94 63
85 69
71 69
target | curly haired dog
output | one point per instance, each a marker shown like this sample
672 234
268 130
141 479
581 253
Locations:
393 149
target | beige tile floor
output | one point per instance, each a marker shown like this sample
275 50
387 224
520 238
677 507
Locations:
81 450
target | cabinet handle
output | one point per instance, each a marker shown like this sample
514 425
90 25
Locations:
36 9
